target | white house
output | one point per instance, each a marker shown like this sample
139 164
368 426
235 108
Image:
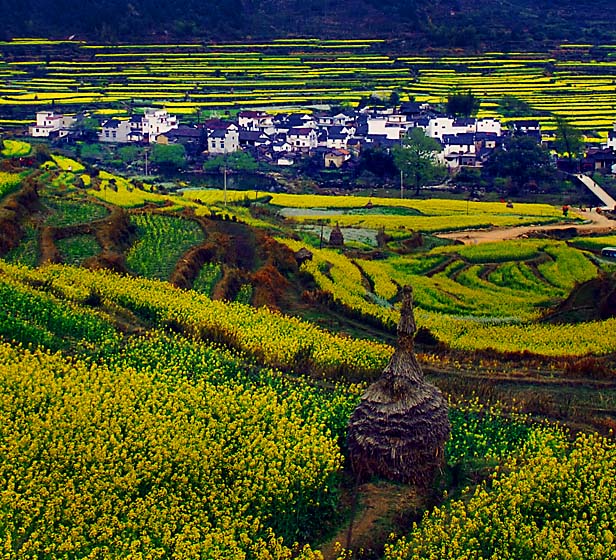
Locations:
302 139
155 122
255 120
223 140
489 125
438 127
339 136
48 122
114 130
611 139
458 150
389 126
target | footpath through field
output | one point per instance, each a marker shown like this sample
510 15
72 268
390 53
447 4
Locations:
597 223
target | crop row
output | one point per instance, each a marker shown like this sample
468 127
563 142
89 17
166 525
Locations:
272 338
16 148
162 240
492 301
8 183
234 75
115 462
555 502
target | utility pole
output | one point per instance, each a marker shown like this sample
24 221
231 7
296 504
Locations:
146 162
401 183
224 178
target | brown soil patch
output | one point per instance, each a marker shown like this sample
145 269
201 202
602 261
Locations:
598 224
377 510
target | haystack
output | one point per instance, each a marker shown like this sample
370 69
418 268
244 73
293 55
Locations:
336 239
399 429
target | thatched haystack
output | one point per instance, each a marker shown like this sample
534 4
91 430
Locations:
399 429
336 239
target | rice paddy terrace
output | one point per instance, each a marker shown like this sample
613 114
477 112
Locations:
576 81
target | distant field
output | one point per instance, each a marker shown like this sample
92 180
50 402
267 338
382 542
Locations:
192 78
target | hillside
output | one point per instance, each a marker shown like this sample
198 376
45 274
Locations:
444 23
176 382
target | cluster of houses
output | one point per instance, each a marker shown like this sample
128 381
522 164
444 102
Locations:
282 139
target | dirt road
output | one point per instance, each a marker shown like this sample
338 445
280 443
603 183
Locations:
597 223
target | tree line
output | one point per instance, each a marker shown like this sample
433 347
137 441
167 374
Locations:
441 23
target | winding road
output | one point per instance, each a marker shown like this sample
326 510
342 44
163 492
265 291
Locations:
597 224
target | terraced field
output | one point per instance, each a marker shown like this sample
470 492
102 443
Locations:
210 422
573 81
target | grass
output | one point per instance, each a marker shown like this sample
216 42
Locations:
76 249
66 212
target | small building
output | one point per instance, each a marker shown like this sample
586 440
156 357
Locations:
253 138
223 140
602 160
192 138
302 139
48 122
611 139
114 130
254 120
337 158
338 137
155 122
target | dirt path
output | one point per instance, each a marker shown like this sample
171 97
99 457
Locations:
597 223
380 509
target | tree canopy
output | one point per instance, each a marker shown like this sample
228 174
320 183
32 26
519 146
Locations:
236 161
462 104
569 139
170 157
416 159
522 161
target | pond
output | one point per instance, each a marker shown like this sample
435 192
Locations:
235 181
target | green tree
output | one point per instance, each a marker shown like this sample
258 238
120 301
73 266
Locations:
236 161
569 139
394 98
170 157
92 152
416 159
522 162
376 161
129 153
86 128
462 104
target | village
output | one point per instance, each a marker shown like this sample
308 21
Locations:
334 139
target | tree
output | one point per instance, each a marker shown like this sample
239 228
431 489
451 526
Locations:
394 98
170 157
416 159
376 161
522 161
569 139
86 128
461 104
129 153
236 161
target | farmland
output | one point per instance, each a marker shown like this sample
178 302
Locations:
187 380
200 79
